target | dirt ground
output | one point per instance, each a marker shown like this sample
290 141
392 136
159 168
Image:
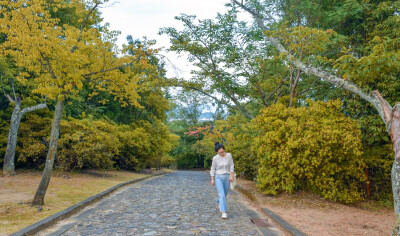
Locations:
316 216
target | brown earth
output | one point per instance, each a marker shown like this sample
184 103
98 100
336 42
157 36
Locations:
316 216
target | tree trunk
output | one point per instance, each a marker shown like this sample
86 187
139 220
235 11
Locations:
368 182
9 158
48 169
391 117
396 195
394 127
8 166
293 87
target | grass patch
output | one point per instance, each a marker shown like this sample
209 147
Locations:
65 189
375 205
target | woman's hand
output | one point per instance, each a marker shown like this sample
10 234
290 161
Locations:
212 182
231 178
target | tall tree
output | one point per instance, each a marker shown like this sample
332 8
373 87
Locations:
233 64
8 82
227 53
11 80
388 57
64 57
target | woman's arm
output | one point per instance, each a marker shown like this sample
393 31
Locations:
212 172
231 169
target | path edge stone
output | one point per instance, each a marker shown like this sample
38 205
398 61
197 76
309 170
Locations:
284 224
51 220
273 216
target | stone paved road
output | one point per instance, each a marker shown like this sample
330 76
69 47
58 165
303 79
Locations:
179 203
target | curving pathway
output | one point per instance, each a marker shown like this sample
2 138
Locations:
178 203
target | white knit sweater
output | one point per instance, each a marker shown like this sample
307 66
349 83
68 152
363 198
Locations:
222 165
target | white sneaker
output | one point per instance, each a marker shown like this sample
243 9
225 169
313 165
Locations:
224 216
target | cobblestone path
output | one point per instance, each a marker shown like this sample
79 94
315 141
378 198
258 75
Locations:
179 203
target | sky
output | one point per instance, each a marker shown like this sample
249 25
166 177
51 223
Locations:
145 17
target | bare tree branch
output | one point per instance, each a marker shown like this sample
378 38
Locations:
231 92
262 94
387 109
8 97
103 71
86 19
47 66
221 101
13 88
310 87
293 88
276 89
278 95
33 108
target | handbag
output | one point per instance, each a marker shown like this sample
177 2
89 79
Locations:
233 184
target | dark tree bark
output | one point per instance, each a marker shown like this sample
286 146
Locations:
293 85
9 166
48 169
9 157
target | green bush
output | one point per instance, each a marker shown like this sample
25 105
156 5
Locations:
186 161
167 161
87 144
240 139
134 149
33 140
205 148
314 148
379 160
92 144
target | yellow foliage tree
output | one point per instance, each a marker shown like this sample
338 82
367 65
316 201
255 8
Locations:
63 56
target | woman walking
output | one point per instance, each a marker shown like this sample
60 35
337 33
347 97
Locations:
221 174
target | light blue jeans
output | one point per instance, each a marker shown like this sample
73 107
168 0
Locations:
222 184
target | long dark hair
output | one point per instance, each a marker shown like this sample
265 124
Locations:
219 146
